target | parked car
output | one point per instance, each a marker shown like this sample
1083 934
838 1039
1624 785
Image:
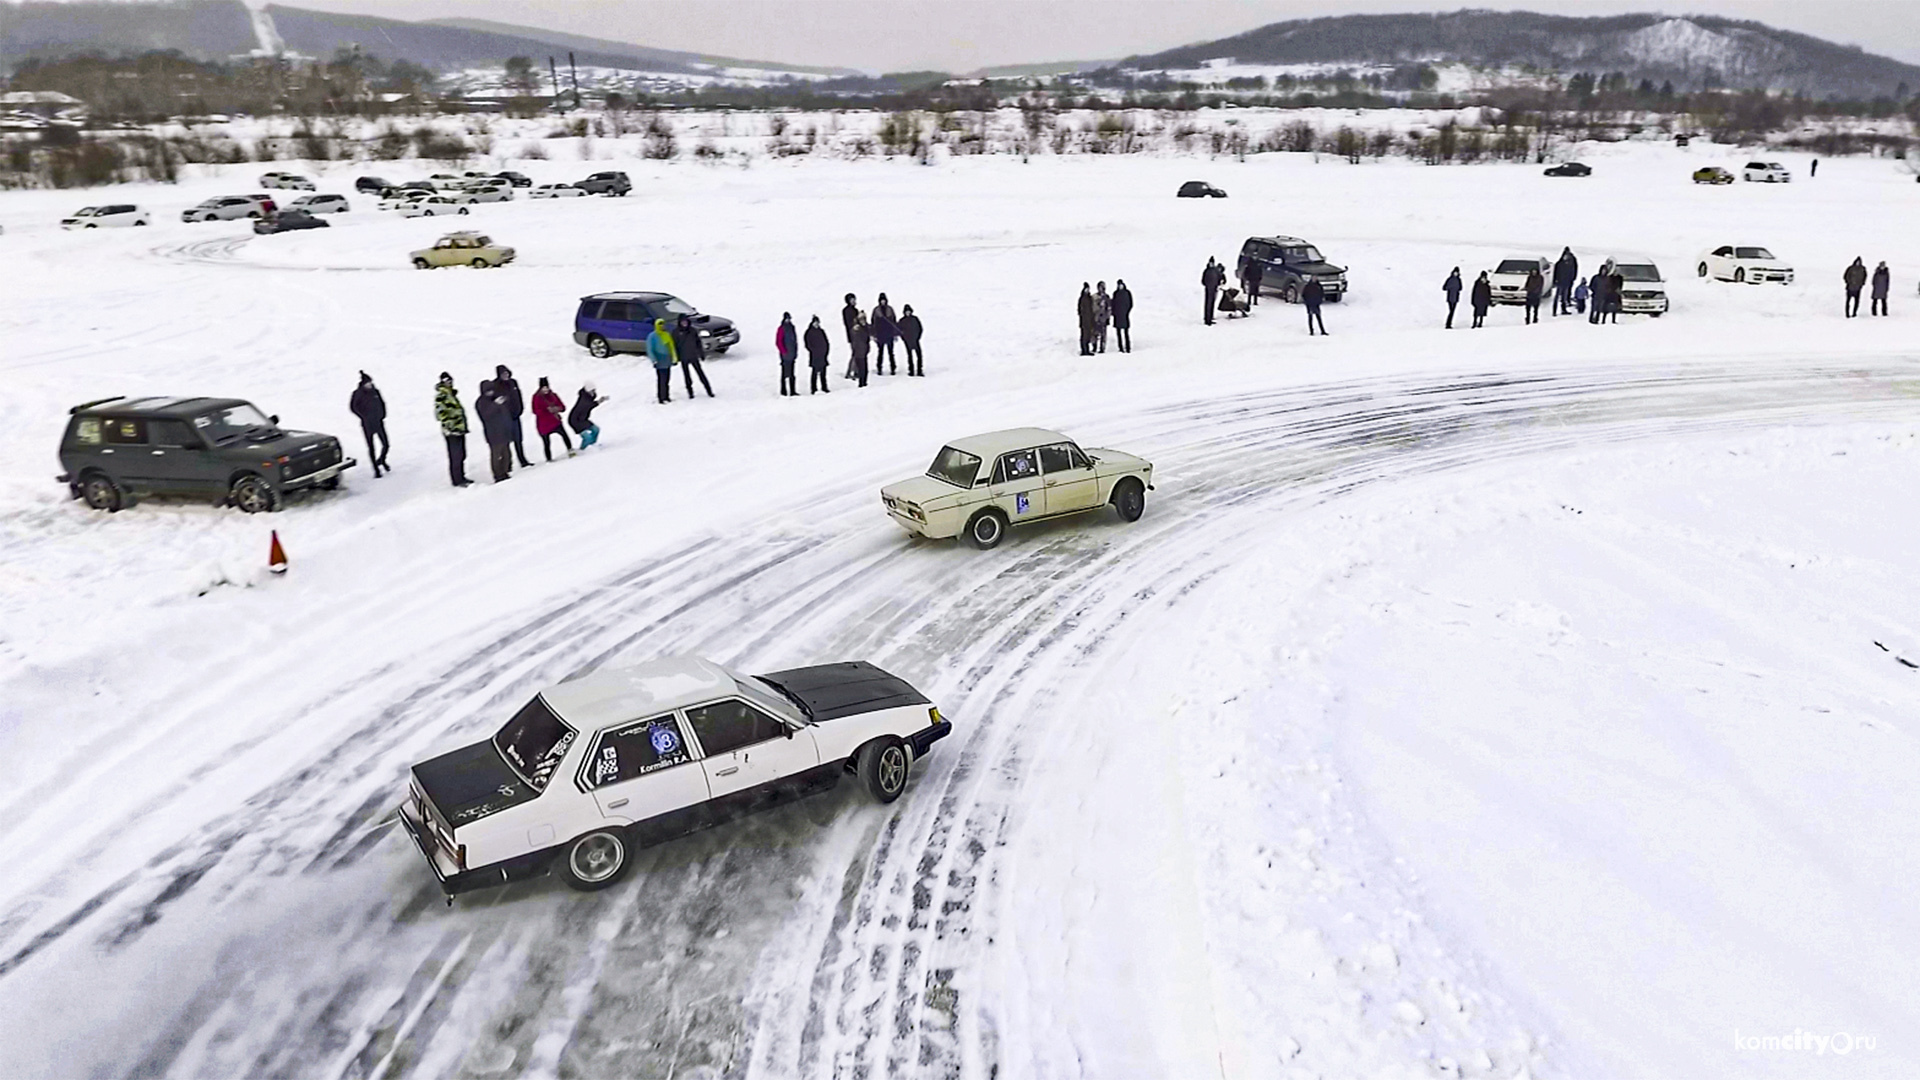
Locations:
978 486
416 185
594 769
434 206
288 220
321 204
396 199
463 249
447 181
556 191
291 181
1287 264
514 178
111 216
1509 279
1766 172
1747 265
497 191
606 183
370 185
227 208
1569 168
1643 290
607 323
1712 174
117 449
1199 189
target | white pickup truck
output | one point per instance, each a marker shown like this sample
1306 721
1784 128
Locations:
593 769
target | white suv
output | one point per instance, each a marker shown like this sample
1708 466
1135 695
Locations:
1643 291
290 181
321 204
593 769
1766 172
106 217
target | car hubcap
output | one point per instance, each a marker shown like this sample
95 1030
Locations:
893 768
597 857
250 499
987 530
98 493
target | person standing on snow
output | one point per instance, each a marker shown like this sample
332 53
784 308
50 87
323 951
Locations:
581 418
1482 299
491 407
1102 315
862 339
817 346
1882 282
848 316
452 417
1211 279
885 327
1580 297
371 408
1566 271
1122 316
786 342
505 383
1597 295
1616 292
1085 310
1535 286
910 331
1313 296
1855 279
689 350
660 351
548 410
1452 288
1256 270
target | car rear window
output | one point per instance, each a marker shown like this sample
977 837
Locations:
533 742
956 467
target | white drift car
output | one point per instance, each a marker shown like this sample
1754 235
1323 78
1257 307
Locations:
593 769
978 486
1752 265
556 191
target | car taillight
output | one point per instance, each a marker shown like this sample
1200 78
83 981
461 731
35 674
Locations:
460 857
934 714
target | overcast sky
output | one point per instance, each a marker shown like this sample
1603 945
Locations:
961 35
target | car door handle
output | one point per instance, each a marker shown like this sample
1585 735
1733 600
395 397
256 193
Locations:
616 804
728 771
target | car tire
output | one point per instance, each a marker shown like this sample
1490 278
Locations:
331 483
596 860
1130 499
1702 269
422 264
253 495
1739 275
882 766
598 348
101 493
479 264
1290 294
137 224
92 225
255 214
463 209
986 529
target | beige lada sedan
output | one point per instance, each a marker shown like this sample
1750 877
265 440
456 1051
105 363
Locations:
463 249
978 486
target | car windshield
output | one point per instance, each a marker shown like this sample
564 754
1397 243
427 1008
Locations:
1302 253
676 306
534 742
1752 253
1517 266
1638 272
956 467
232 422
87 211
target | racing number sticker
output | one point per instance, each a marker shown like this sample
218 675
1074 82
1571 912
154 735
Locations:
665 740
1020 503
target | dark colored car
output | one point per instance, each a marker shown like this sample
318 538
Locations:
613 322
370 185
118 448
1287 263
287 221
514 178
1569 168
1200 189
415 185
605 183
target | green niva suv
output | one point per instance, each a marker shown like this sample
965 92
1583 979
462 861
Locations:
117 449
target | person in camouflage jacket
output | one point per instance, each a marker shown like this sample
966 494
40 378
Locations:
452 417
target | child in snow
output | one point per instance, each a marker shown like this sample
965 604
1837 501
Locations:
1580 297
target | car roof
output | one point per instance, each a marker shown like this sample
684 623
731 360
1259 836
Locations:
627 296
618 694
994 443
157 406
1278 239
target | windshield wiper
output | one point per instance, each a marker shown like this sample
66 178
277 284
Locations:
805 709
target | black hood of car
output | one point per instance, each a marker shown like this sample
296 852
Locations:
1316 268
471 783
280 442
711 323
832 691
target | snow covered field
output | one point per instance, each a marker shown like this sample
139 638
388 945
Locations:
1516 702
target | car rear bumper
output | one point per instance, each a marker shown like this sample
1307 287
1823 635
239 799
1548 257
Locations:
453 882
923 740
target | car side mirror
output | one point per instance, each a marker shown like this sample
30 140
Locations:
273 419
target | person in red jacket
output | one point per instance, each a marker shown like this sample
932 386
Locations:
548 410
786 341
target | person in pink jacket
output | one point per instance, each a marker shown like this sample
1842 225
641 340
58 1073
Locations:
548 410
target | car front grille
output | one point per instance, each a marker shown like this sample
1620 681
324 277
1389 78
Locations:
312 459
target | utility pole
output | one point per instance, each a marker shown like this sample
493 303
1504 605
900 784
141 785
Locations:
551 70
575 73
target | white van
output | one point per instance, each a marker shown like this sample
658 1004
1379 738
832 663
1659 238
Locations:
106 217
1766 172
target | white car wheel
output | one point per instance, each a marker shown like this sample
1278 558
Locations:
595 861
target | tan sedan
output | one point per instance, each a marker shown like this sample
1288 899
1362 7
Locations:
463 249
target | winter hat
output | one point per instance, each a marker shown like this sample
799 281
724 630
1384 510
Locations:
502 371
883 298
849 298
543 382
786 316
366 378
815 322
908 309
446 377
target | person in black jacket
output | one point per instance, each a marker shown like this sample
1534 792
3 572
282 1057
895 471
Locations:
1882 284
581 418
491 407
862 338
1086 318
371 408
505 383
1122 316
1855 279
885 327
848 316
1211 279
691 350
1452 288
1313 296
1256 270
1535 286
1616 294
1566 272
1482 299
817 344
786 342
910 331
1597 297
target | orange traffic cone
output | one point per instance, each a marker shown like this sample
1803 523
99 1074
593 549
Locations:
276 555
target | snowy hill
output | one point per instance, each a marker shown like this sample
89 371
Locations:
1694 52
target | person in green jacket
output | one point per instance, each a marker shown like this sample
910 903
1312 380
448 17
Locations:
453 424
661 351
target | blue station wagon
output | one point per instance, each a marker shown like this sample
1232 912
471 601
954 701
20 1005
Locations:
613 322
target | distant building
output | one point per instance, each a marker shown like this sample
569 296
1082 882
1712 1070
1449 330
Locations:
46 104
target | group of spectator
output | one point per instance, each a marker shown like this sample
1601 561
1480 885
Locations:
1855 278
871 341
1571 292
1100 310
499 406
1313 295
677 344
